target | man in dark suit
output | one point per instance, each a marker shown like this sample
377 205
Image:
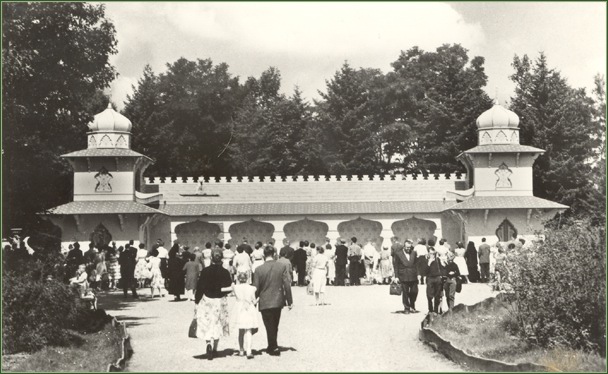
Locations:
127 260
246 247
299 261
484 260
287 251
404 263
273 286
341 261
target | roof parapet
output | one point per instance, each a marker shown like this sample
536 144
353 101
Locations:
308 178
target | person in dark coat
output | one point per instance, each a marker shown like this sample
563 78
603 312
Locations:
471 258
246 247
299 259
73 259
341 261
127 260
406 274
177 280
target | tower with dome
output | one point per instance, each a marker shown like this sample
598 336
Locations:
500 202
113 201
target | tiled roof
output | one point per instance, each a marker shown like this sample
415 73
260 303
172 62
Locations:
287 208
307 192
506 202
504 148
102 207
104 152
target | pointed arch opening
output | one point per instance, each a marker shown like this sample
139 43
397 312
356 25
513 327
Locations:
414 229
254 231
506 231
306 229
197 233
363 229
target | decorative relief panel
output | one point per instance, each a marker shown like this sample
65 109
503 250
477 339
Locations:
103 178
197 233
92 142
414 229
486 138
503 173
362 229
121 142
501 137
253 230
105 142
313 231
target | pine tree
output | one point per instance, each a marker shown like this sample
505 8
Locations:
557 118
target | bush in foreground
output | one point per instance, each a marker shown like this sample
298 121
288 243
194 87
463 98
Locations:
559 289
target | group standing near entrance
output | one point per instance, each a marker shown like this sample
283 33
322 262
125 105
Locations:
260 277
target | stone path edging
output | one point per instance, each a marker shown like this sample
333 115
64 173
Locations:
125 348
437 342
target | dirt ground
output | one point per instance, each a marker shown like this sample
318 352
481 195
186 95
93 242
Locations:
361 330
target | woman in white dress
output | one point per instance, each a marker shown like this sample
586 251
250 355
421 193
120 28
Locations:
157 281
141 268
319 266
245 314
461 262
257 257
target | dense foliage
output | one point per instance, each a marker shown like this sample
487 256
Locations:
198 119
55 61
39 308
564 122
560 288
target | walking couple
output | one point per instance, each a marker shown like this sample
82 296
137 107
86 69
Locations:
271 291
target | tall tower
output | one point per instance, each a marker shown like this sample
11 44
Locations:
107 204
108 170
500 203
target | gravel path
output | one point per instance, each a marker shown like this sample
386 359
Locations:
360 331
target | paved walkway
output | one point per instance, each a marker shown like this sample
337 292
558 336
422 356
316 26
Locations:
360 331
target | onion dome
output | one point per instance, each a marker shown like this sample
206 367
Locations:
110 121
497 116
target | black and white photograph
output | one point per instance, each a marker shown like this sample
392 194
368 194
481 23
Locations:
296 186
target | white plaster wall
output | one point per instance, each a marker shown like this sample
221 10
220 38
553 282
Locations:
70 233
475 228
123 186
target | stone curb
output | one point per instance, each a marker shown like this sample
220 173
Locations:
125 348
430 337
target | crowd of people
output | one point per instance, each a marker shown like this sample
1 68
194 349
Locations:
260 277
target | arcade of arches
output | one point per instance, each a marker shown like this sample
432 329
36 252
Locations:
197 232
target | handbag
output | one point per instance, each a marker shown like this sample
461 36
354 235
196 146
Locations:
193 326
395 289
310 289
458 284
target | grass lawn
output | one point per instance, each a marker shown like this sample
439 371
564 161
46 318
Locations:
88 353
484 333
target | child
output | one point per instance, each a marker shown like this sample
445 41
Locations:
245 313
79 282
192 270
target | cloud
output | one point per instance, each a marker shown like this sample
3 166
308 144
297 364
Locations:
306 41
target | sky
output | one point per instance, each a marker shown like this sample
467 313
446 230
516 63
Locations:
309 41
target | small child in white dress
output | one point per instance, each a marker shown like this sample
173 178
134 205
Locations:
245 313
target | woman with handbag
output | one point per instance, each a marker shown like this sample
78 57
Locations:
213 285
449 274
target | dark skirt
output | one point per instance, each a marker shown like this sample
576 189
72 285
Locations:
177 281
473 273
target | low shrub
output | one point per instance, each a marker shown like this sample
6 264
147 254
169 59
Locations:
36 313
560 289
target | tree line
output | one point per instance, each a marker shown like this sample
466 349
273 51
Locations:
198 119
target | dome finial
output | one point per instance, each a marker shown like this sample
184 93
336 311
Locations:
495 101
110 105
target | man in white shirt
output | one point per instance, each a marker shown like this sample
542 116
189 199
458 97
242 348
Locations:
421 252
370 255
